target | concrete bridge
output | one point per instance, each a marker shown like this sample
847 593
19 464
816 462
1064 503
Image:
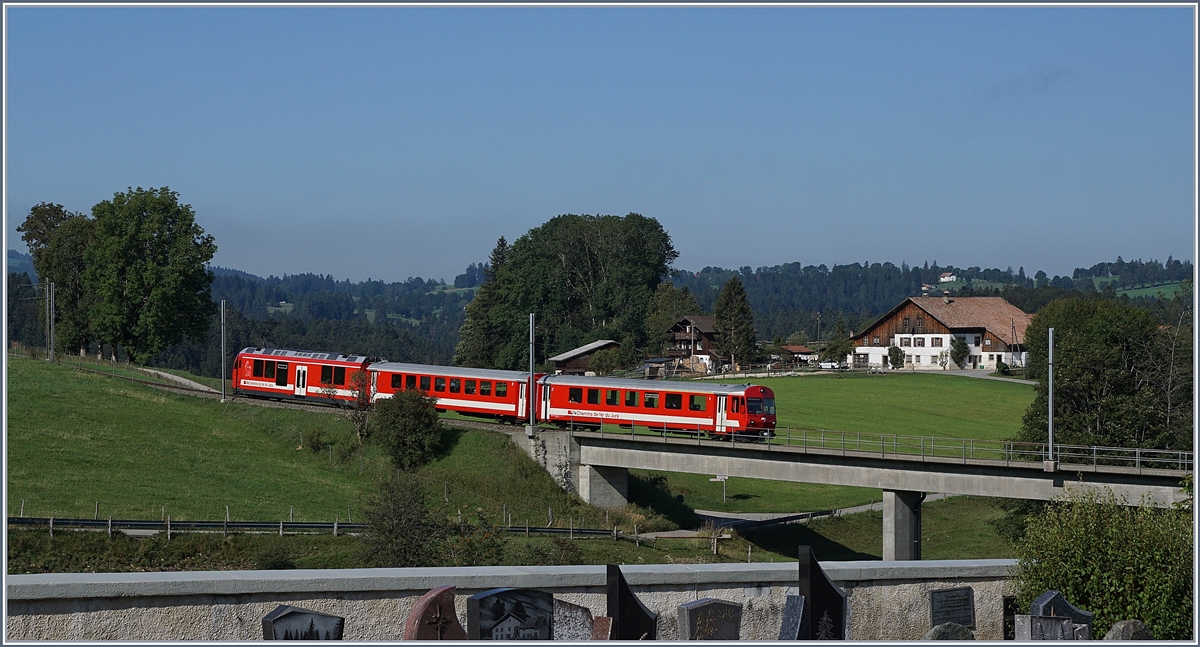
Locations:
596 466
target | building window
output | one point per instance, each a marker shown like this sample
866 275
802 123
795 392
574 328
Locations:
916 359
908 359
906 322
987 342
593 396
976 340
906 341
920 321
936 341
673 401
919 341
874 341
991 358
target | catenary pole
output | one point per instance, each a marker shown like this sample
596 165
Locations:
1050 398
223 371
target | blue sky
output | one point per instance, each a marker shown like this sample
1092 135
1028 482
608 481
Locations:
391 142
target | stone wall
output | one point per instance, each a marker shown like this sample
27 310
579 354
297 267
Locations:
888 600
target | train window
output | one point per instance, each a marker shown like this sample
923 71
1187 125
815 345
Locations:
269 369
339 375
469 387
651 401
397 379
485 388
410 382
574 395
439 384
593 396
326 375
612 397
697 403
737 404
455 384
281 374
673 401
501 389
631 398
424 382
258 368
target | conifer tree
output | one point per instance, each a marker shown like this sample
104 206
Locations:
735 323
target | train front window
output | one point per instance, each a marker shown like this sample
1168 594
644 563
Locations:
765 406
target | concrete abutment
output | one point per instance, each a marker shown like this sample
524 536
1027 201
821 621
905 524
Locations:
902 525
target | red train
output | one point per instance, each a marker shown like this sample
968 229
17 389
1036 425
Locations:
717 410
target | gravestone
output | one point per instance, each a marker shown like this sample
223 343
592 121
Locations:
1129 630
510 614
630 618
710 619
294 623
1052 603
1010 613
792 627
948 631
572 622
952 605
825 610
1044 628
433 617
602 628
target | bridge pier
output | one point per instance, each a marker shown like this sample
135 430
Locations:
902 525
607 487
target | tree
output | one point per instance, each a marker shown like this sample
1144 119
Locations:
39 227
486 314
401 529
668 305
798 338
605 362
1119 562
959 351
1110 360
734 321
146 268
58 240
408 429
360 413
896 357
839 345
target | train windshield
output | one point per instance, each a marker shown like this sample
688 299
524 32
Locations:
761 405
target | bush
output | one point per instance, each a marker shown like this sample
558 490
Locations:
1117 561
408 428
896 357
401 530
1003 368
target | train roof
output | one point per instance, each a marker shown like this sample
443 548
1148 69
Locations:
645 385
451 371
309 354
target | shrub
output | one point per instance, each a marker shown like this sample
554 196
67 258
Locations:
1003 368
408 429
1117 561
401 530
896 357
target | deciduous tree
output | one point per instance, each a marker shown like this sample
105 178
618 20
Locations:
408 429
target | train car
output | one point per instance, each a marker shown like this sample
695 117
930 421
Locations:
297 374
485 393
716 410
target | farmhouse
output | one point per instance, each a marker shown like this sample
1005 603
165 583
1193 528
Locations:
947 277
692 340
922 327
575 362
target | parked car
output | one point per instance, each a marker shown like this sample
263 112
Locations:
830 364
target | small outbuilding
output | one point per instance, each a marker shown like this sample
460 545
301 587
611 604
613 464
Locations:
575 362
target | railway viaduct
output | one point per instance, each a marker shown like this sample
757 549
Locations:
596 466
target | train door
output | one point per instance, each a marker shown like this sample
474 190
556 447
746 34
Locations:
545 414
720 422
522 412
301 380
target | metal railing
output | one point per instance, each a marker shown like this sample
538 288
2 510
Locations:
903 447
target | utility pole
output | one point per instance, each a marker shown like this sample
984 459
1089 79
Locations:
224 372
51 317
1051 465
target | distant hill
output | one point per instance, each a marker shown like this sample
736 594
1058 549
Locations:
18 262
217 270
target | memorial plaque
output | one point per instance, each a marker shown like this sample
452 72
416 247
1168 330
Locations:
793 616
510 614
602 628
1052 603
630 618
710 619
952 605
825 610
294 623
572 622
433 617
1044 628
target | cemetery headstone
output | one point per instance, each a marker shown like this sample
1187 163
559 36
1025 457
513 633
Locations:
510 614
948 631
710 619
791 628
572 622
293 623
602 628
1010 614
433 617
826 609
952 605
1129 630
1044 628
1052 603
630 618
